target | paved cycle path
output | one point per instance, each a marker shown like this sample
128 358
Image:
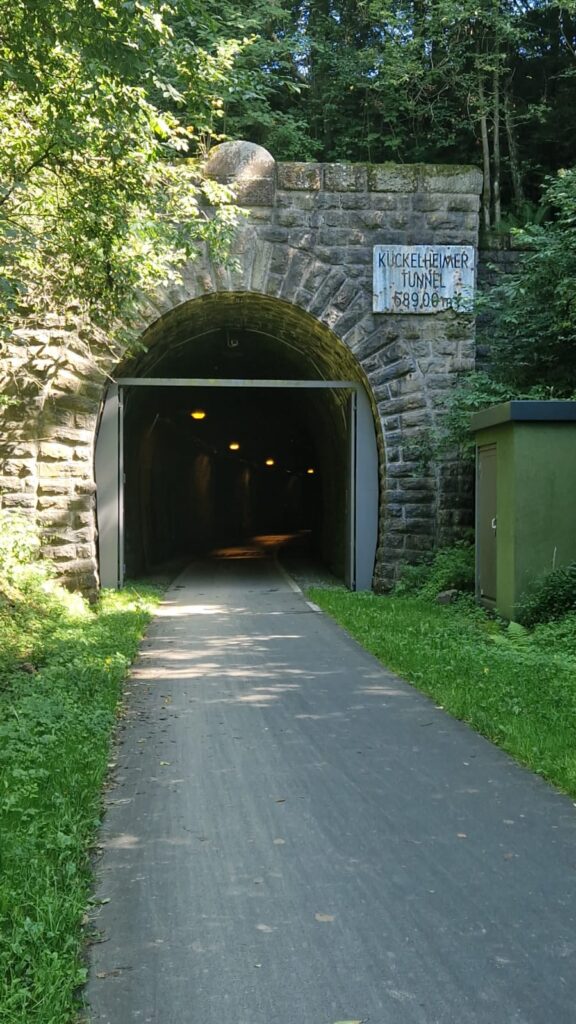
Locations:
296 836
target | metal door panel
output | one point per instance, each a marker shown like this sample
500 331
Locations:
486 521
350 557
121 482
366 526
108 491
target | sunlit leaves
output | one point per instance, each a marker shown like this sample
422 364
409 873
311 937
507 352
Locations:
98 103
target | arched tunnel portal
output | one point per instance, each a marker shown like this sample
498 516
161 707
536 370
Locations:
306 464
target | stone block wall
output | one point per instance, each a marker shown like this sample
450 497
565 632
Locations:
306 240
53 380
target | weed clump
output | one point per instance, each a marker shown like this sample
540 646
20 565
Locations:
550 597
448 569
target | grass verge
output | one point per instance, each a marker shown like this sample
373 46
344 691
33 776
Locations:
61 668
516 687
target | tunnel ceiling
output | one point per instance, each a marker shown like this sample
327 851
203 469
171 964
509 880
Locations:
281 424
243 336
239 335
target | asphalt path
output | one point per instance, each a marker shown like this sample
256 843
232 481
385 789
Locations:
296 836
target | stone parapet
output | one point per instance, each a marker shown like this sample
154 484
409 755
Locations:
404 179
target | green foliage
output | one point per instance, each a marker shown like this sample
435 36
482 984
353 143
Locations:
474 391
550 597
101 105
99 102
61 665
449 569
519 693
383 80
413 578
514 634
529 330
532 330
19 543
558 635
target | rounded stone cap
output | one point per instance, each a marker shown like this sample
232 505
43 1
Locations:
239 161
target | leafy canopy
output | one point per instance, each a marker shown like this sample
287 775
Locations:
100 102
388 80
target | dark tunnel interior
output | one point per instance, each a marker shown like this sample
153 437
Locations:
187 493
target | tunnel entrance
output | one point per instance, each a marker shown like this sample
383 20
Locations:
213 467
186 465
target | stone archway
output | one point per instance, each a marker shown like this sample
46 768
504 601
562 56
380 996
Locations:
306 242
316 408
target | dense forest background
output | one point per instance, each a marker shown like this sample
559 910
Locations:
106 106
479 81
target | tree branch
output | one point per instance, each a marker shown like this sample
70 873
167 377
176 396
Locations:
31 167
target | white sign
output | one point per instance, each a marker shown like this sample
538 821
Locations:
423 278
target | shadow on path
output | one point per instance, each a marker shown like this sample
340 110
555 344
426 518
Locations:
296 836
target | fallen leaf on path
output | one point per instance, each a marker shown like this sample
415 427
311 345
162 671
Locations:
323 918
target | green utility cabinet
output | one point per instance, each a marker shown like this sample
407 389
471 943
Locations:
525 497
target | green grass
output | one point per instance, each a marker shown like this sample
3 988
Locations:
61 668
516 687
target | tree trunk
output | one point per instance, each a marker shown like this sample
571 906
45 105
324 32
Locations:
318 20
487 186
496 148
517 189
